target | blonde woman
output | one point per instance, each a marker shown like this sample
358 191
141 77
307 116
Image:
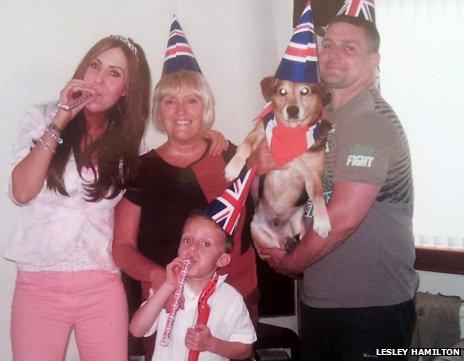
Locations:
175 179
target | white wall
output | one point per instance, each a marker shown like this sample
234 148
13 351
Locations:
421 75
236 42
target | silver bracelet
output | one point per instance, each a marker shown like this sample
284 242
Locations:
56 128
54 133
45 145
64 106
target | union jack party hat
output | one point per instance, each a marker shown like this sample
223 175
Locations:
179 54
363 9
299 63
225 210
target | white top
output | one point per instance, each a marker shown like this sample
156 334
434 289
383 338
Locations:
229 320
78 260
53 227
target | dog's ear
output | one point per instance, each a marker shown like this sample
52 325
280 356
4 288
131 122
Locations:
320 89
267 87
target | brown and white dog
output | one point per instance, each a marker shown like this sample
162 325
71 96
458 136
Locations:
278 218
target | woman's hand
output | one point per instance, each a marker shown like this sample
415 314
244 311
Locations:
218 142
69 94
29 174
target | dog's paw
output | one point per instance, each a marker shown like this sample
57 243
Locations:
233 168
321 226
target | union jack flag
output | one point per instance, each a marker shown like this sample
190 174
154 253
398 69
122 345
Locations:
225 210
359 8
179 54
302 47
280 152
178 47
264 113
299 63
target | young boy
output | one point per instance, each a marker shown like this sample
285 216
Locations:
229 332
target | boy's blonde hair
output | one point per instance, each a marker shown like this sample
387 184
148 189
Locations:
228 240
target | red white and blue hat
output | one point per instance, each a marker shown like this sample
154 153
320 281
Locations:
179 54
225 210
299 63
363 9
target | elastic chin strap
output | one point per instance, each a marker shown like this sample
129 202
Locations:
207 276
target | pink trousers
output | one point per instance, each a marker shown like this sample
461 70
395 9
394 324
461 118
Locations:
48 305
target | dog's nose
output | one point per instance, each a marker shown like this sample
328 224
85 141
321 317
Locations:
276 223
293 111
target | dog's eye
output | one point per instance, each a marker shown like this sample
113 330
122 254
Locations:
283 91
304 91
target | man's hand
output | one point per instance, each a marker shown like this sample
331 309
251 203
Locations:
277 258
261 159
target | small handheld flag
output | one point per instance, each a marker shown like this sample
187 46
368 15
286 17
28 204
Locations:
225 210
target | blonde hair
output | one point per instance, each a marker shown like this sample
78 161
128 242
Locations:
228 239
171 83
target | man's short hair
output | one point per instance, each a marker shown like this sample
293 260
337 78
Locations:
370 30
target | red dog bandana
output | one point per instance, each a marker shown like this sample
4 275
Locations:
284 142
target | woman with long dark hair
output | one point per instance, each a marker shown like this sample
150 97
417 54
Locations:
71 161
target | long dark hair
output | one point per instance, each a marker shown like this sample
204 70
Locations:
116 151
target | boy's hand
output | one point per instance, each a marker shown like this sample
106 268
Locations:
173 272
173 276
199 338
170 302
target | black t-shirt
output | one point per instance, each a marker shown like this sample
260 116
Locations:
167 195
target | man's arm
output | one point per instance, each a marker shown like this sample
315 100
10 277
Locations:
347 208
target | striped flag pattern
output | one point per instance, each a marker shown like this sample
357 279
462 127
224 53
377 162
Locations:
299 63
313 133
225 210
359 8
179 54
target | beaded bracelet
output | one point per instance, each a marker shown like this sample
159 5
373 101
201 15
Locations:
46 145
